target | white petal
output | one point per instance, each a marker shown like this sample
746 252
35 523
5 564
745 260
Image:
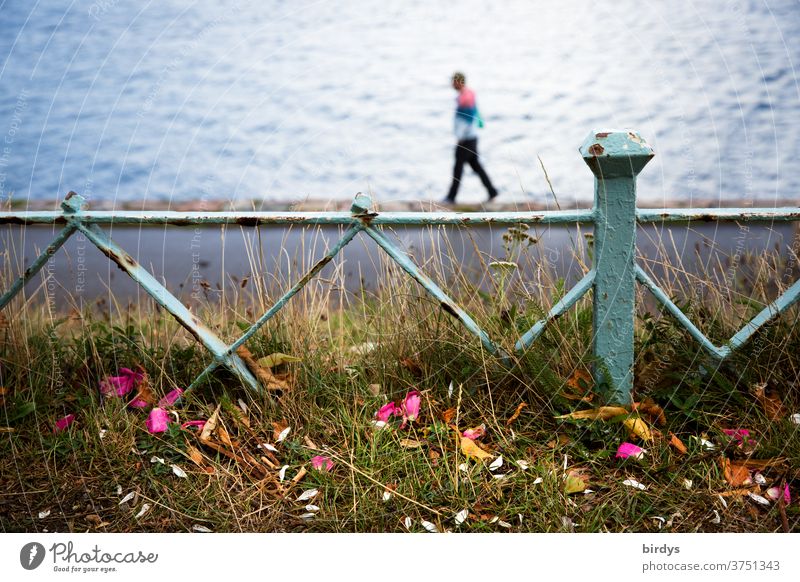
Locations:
282 473
634 483
716 518
463 467
155 459
537 480
378 424
119 489
267 446
387 495
242 405
502 523
494 519
687 483
496 464
308 494
178 471
200 528
284 434
722 500
43 514
312 508
501 476
145 508
307 516
103 433
523 465
450 390
796 418
758 499
759 478
461 516
429 526
588 491
127 498
407 522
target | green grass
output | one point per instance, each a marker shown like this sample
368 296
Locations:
51 365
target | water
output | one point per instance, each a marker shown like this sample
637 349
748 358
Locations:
186 101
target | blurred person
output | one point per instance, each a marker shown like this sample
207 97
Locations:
466 125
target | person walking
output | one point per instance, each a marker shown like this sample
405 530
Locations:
467 122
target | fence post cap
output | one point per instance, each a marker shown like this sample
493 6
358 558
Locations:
361 204
615 153
74 202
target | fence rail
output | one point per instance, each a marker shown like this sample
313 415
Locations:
615 158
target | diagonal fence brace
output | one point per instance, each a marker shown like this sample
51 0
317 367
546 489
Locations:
283 300
572 296
160 294
37 264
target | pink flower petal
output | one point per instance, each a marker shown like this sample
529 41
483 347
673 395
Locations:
199 424
626 450
122 384
63 423
773 493
386 412
138 403
321 463
411 406
170 398
474 433
157 421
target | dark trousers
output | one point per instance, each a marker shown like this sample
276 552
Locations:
467 153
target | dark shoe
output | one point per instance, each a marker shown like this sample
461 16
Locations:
448 202
492 195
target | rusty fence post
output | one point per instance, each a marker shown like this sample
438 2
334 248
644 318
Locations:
615 157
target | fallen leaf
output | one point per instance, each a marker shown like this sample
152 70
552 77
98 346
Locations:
461 516
677 444
267 379
561 440
277 359
210 425
603 413
411 366
639 428
195 455
735 474
516 414
374 389
410 444
448 415
308 494
429 526
574 482
179 472
471 450
771 403
651 410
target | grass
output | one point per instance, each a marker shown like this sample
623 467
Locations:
360 350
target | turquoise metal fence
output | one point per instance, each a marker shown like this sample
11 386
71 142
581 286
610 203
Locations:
615 158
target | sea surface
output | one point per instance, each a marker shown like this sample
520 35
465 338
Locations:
292 100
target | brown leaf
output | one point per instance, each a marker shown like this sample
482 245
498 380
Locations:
411 366
195 455
374 389
267 379
210 425
771 403
678 444
144 391
575 481
735 474
448 415
224 437
516 414
651 410
561 440
603 413
579 386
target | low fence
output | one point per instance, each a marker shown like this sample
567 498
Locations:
615 158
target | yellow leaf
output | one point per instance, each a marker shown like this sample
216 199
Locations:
410 444
574 483
471 449
277 359
603 413
638 428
